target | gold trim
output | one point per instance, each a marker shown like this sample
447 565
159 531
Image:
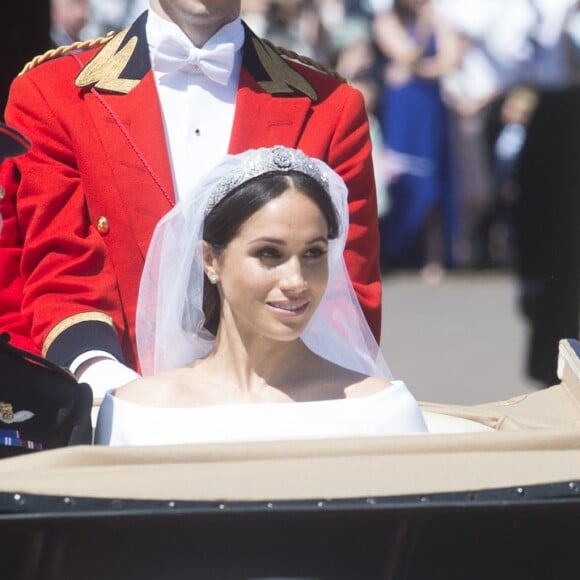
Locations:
104 70
71 321
64 50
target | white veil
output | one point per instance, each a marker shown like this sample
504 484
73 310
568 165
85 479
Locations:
170 318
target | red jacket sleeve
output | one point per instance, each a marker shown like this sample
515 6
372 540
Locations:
349 155
12 320
66 275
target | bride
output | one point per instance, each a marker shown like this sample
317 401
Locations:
247 325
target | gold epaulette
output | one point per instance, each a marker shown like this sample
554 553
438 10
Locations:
62 50
290 54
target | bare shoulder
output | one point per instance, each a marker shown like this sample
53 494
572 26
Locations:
366 386
351 383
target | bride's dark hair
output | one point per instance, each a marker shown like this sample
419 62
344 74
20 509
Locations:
225 220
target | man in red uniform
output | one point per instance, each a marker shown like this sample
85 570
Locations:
122 129
12 144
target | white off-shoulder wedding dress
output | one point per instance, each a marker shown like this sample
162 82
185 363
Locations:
391 411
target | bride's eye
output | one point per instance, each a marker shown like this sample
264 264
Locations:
268 253
315 252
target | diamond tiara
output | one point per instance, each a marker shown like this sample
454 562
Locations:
265 160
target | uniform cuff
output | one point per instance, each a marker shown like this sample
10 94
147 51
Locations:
82 337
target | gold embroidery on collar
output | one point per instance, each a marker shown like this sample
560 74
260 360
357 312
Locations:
284 78
103 71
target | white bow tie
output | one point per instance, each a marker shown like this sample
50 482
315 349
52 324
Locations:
174 54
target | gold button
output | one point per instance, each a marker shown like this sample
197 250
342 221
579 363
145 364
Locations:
103 225
2 192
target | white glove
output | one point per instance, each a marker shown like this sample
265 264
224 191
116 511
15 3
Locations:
102 372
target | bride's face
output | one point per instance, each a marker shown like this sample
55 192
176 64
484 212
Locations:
273 274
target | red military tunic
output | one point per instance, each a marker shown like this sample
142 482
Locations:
11 318
98 179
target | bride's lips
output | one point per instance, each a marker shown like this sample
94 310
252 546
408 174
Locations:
289 307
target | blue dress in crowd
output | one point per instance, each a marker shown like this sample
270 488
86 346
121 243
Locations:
416 128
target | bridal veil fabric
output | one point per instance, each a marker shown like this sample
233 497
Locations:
170 318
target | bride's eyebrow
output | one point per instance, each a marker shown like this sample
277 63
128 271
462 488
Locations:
267 240
280 242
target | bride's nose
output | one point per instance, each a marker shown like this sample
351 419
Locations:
292 279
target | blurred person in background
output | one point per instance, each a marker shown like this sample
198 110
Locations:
511 44
470 92
255 14
296 25
354 49
112 15
68 19
549 65
370 90
332 13
494 244
419 48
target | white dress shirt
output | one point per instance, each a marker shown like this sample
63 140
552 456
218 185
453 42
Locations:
198 113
